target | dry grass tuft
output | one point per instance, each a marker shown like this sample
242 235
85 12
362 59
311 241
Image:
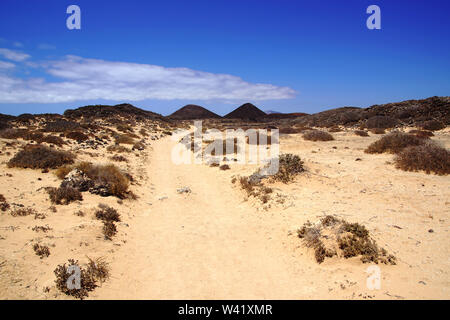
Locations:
378 131
109 229
77 136
66 282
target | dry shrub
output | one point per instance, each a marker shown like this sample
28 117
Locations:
119 158
393 143
4 205
64 195
44 229
118 148
377 131
124 139
289 166
40 157
317 135
61 126
335 129
87 280
109 230
41 251
107 213
143 132
138 146
433 125
422 133
108 176
255 188
361 133
428 157
332 236
63 171
383 122
124 128
77 136
224 167
99 269
290 130
22 212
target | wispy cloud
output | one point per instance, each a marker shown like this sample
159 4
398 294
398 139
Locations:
6 65
18 44
90 79
13 55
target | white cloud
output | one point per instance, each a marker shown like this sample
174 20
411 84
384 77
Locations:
6 65
13 55
91 79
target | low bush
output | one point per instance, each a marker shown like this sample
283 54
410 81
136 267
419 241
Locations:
428 157
109 230
289 166
4 205
119 158
433 125
393 143
383 122
41 251
422 133
118 148
22 212
77 136
317 135
107 213
108 177
40 157
61 126
64 195
361 133
124 139
377 131
64 274
224 167
335 237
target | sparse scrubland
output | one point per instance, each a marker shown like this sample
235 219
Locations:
99 181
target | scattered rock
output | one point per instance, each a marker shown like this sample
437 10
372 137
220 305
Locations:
184 190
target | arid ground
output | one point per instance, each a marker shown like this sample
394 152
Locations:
211 240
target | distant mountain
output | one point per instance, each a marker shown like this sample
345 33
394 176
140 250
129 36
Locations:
104 111
191 112
246 112
285 115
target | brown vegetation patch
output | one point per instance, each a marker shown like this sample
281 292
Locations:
77 136
433 125
289 167
361 133
41 251
64 195
40 157
107 213
317 135
428 157
335 237
393 143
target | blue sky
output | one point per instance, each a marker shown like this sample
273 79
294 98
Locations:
289 56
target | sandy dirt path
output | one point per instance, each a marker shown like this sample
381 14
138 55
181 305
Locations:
207 244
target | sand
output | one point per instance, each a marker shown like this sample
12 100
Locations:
215 243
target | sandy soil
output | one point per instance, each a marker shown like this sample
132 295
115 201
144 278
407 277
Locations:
214 243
